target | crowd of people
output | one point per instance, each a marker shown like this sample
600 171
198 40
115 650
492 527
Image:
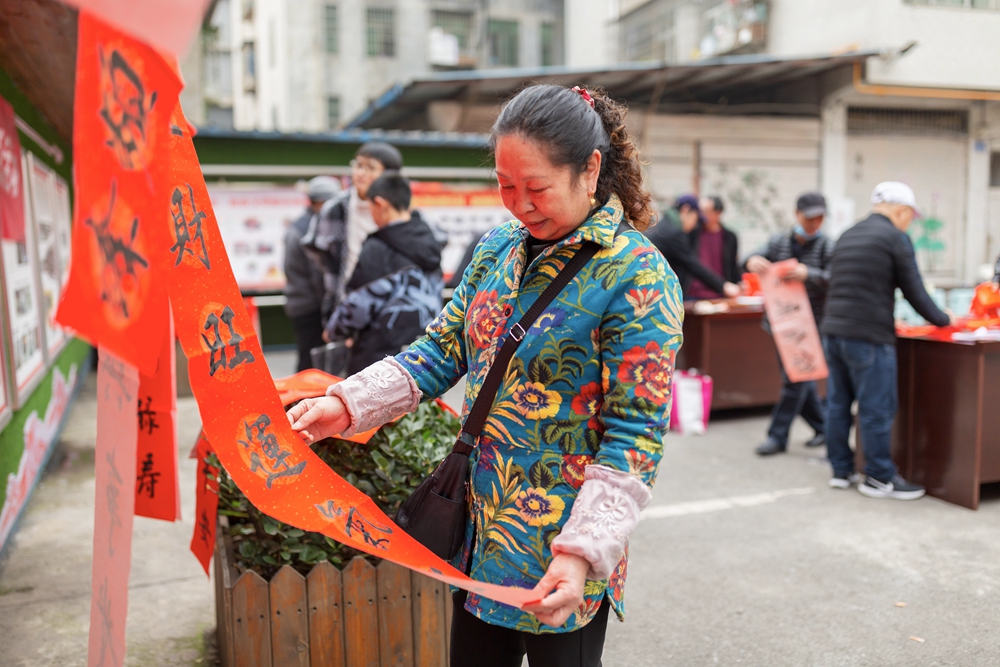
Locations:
572 443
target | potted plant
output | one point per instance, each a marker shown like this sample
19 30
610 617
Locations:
285 596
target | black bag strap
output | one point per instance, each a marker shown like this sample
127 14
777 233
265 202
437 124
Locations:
473 426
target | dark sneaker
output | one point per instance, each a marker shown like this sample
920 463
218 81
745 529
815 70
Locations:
817 440
770 447
838 482
897 488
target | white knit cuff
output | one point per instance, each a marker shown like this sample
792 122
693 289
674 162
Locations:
377 395
604 515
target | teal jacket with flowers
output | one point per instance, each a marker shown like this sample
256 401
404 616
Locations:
590 384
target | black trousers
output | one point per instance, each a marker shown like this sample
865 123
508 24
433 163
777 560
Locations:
308 334
797 398
475 643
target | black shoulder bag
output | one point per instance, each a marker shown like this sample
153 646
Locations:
435 515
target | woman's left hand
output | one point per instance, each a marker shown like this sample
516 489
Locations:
567 574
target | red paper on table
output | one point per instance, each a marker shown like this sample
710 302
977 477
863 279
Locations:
241 413
125 93
11 183
157 491
117 387
206 505
790 315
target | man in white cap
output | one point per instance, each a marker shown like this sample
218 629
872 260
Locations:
870 261
304 289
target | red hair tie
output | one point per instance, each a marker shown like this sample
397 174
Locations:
585 95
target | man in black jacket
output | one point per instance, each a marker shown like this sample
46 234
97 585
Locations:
395 290
304 288
669 236
716 246
870 261
812 249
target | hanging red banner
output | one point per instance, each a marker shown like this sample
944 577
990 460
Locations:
117 387
206 505
125 93
157 492
793 326
11 181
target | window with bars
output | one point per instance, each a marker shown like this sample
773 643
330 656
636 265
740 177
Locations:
331 26
458 24
332 112
548 44
503 43
647 33
888 120
381 29
958 4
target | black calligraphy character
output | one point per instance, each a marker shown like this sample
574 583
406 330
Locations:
124 109
116 371
111 492
784 308
239 356
204 527
271 449
107 625
330 510
117 253
183 228
147 417
357 522
147 478
794 337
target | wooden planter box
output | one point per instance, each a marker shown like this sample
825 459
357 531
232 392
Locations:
365 616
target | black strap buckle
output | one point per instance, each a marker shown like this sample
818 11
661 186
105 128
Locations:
517 332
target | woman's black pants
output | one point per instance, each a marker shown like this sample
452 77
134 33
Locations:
475 643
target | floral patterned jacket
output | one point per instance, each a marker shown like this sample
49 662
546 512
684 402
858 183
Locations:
590 384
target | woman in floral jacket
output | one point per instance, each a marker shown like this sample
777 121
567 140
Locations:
570 450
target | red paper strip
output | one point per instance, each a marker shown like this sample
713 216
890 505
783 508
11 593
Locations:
792 324
117 387
11 182
125 93
157 492
206 505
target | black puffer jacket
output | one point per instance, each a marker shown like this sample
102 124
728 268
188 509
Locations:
815 253
391 248
303 278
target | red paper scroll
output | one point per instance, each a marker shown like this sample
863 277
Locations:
157 492
125 93
11 181
206 505
792 325
117 386
241 413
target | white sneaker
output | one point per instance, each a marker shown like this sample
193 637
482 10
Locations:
845 482
898 488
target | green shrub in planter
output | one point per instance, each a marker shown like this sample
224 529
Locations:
388 469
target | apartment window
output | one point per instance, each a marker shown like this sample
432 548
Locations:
503 43
995 170
331 26
458 24
548 44
889 120
959 4
647 33
381 28
332 112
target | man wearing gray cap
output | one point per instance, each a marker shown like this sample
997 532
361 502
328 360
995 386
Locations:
870 261
304 288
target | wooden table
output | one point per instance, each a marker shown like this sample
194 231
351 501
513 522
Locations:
736 352
947 432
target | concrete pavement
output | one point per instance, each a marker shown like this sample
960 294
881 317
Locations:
739 561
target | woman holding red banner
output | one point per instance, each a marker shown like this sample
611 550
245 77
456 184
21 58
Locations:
570 447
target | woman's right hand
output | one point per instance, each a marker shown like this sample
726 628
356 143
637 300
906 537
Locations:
318 418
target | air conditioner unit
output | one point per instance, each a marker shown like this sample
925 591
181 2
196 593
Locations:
443 48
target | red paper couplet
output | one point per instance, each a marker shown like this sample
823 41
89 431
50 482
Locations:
206 505
125 93
11 182
117 388
792 324
157 492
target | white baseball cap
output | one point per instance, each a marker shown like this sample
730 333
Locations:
894 192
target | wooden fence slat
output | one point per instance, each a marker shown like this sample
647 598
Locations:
229 575
326 616
222 600
251 622
449 611
360 614
289 619
395 615
429 649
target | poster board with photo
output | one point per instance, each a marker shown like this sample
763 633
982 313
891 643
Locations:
464 215
46 213
64 225
23 326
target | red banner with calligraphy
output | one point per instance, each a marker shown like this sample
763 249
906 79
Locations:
11 183
125 93
157 491
206 505
793 326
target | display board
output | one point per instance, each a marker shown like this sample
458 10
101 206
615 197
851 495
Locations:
253 224
46 213
64 226
23 324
